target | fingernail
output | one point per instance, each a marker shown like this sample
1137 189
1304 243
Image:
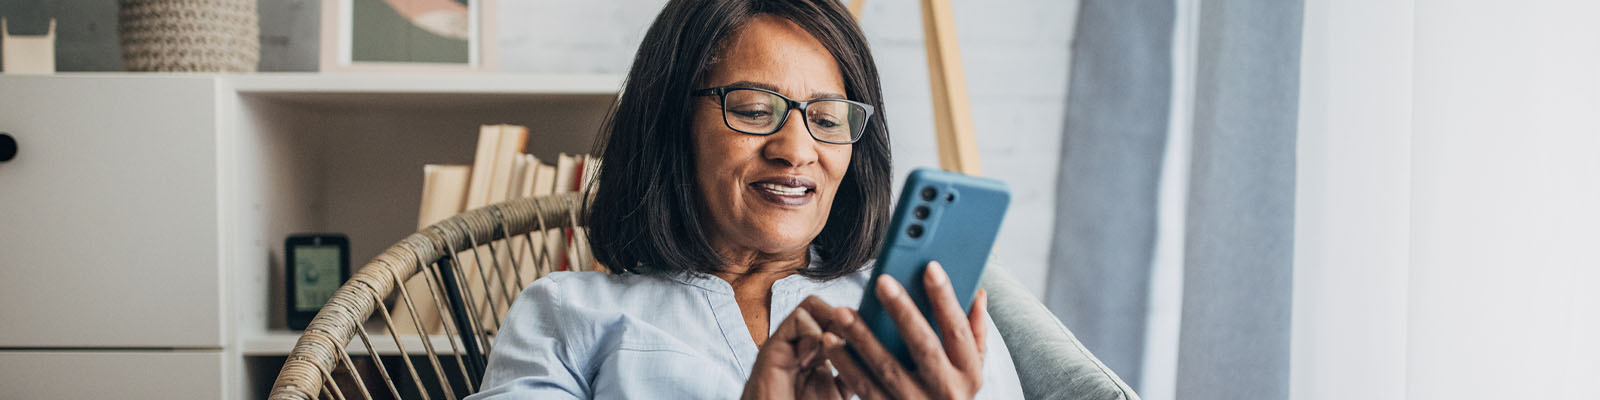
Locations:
936 271
888 287
845 317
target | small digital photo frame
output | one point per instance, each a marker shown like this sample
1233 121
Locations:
315 265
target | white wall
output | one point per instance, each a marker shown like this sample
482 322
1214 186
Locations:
1353 201
1447 241
1505 261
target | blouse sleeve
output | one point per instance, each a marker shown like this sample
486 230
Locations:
533 356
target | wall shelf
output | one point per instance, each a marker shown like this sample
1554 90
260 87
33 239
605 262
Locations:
521 84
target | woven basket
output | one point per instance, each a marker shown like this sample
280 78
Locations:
189 35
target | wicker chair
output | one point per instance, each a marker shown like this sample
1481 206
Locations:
1051 362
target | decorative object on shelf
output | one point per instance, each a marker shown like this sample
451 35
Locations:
8 147
315 264
408 35
28 54
189 35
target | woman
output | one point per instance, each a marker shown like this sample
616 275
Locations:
745 191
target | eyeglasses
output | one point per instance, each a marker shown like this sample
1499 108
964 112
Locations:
763 112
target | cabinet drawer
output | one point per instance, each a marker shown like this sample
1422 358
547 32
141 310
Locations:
108 213
111 375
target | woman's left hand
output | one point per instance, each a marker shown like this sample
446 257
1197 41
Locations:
947 369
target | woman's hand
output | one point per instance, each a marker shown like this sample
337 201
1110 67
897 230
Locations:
790 365
948 369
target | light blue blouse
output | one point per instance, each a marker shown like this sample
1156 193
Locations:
583 335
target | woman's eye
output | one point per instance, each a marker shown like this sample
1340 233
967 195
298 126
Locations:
750 114
824 122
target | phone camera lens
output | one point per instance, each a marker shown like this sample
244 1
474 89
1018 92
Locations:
915 231
921 212
928 194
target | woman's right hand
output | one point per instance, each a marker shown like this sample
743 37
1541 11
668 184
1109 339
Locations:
790 364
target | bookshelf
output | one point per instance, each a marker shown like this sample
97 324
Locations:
253 158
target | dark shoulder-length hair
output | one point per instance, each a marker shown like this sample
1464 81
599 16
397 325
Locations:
646 215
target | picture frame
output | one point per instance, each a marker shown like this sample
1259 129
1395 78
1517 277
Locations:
394 36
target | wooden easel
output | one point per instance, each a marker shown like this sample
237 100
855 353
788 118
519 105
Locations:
952 115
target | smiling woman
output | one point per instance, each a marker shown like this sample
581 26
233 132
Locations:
744 194
643 220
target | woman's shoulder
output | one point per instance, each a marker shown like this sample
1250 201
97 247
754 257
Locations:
574 285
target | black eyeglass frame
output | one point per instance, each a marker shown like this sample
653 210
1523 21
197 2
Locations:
722 102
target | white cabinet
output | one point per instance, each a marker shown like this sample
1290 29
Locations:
112 374
112 195
142 221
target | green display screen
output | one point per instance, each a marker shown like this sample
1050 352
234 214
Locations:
316 276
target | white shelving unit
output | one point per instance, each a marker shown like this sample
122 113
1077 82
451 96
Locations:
158 204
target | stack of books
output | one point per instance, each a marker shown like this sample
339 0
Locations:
502 170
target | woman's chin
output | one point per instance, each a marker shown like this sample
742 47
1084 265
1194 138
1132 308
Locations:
781 241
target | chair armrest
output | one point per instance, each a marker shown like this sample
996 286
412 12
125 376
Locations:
1050 361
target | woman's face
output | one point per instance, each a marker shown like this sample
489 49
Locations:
768 194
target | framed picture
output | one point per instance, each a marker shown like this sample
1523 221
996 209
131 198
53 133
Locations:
408 36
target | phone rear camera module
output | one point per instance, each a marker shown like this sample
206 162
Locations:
928 194
915 231
921 212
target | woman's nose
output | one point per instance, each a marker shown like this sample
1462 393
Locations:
792 144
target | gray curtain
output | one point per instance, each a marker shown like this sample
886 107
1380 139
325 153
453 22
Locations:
1239 250
1234 337
1116 132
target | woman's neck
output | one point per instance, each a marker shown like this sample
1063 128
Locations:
745 266
751 274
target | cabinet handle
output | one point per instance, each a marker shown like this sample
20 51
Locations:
8 147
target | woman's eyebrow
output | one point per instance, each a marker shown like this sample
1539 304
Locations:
760 85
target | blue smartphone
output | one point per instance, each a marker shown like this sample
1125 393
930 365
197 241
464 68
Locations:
942 216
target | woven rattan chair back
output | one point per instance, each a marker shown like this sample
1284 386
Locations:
451 257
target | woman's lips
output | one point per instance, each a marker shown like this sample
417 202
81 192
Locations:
783 193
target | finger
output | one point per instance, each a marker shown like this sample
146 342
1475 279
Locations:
787 330
819 383
855 378
980 323
820 311
844 390
891 376
808 336
919 337
955 327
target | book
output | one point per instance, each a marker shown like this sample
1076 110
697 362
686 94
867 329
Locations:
483 166
489 181
544 184
523 245
567 168
580 238
517 268
444 194
492 277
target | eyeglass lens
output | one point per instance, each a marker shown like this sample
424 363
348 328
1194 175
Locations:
758 112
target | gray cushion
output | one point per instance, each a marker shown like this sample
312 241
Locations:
1050 361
